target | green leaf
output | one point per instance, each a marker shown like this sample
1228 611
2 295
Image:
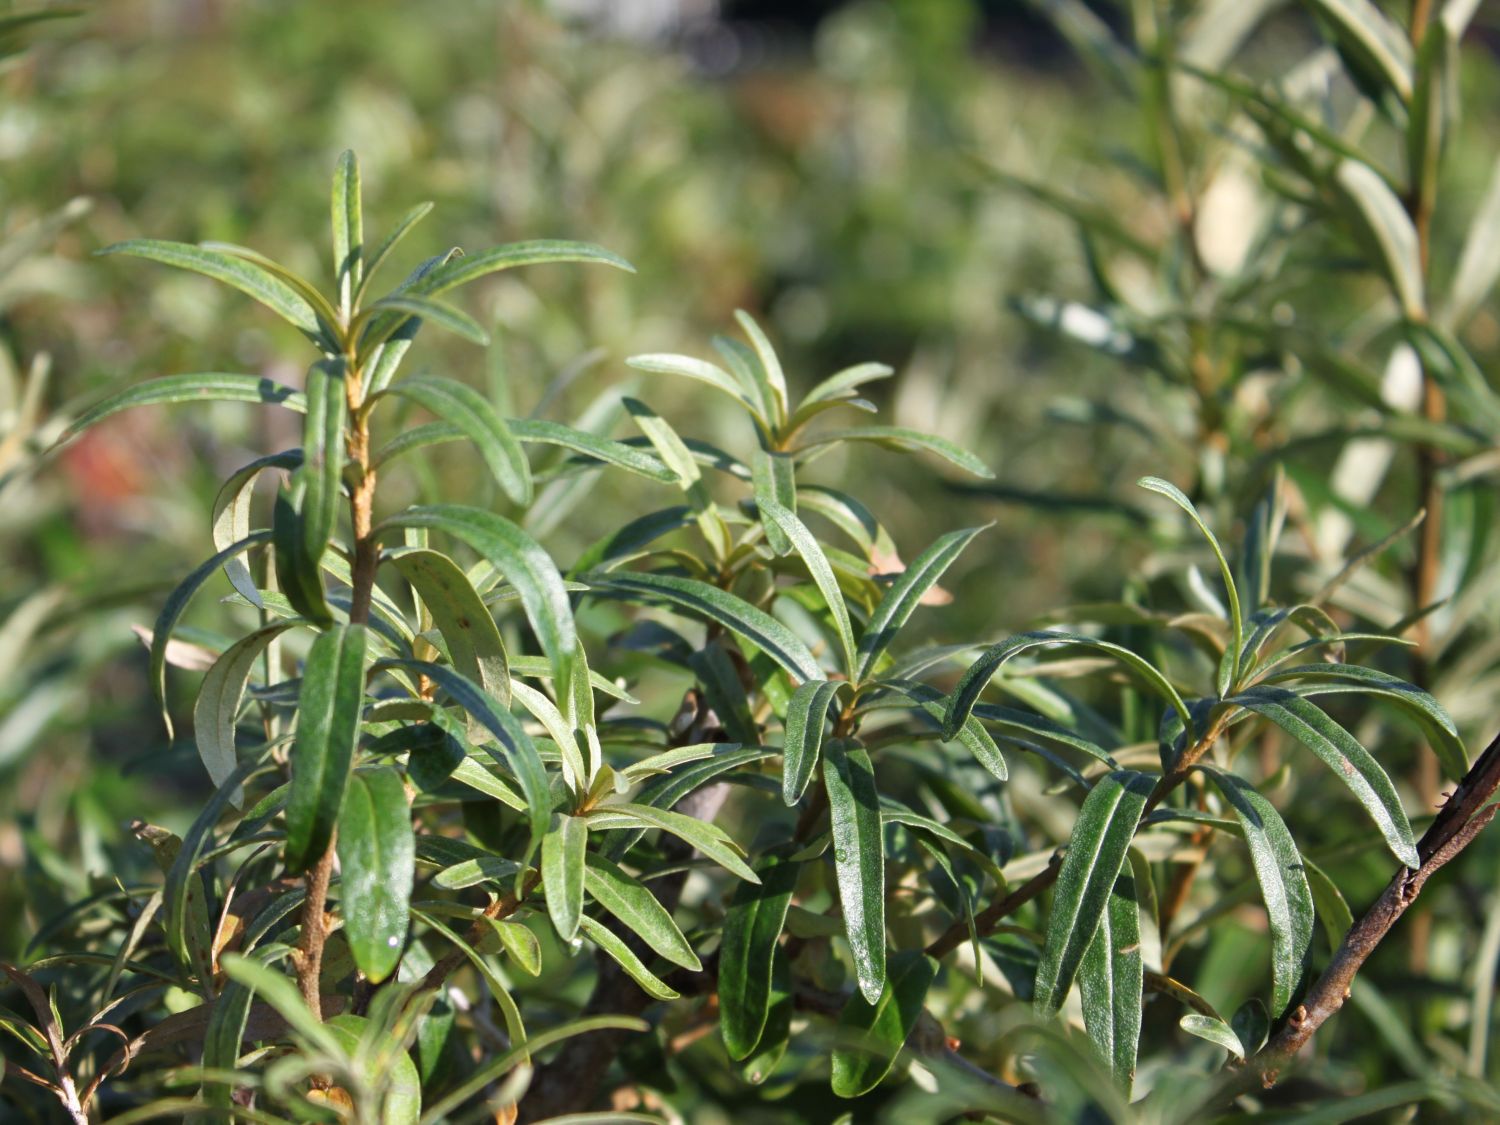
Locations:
905 594
734 613
602 936
961 703
520 944
207 387
1096 852
1426 710
1332 909
507 1060
882 1025
329 705
223 1037
816 562
377 859
463 407
636 907
443 315
752 930
519 751
459 613
842 383
172 609
776 1035
591 447
563 850
1283 883
383 251
281 993
245 276
524 564
397 331
768 368
1231 590
322 457
348 230
859 859
298 568
219 700
803 739
775 485
1214 1030
461 271
231 516
1379 218
707 838
904 440
703 372
380 1066
1110 982
1350 762
1374 43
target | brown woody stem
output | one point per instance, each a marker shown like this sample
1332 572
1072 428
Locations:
308 957
1461 819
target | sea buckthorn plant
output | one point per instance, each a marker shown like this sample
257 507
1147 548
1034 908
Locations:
453 870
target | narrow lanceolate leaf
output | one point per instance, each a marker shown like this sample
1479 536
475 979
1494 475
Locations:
208 387
602 936
881 1025
773 475
905 594
348 229
974 680
843 383
322 456
1350 761
1231 590
299 571
591 447
703 372
172 609
734 613
707 838
524 564
515 744
562 873
636 907
1329 679
226 1027
245 276
805 716
769 364
464 407
461 271
859 859
752 929
904 440
231 516
1110 982
1373 40
377 861
816 561
333 688
1214 1030
1096 852
1377 215
459 613
398 232
219 700
443 315
1283 883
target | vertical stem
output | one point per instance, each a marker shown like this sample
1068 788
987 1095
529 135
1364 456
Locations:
1424 575
309 956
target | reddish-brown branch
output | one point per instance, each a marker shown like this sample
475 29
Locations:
1461 819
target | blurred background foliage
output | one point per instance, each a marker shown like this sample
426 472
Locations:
893 180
